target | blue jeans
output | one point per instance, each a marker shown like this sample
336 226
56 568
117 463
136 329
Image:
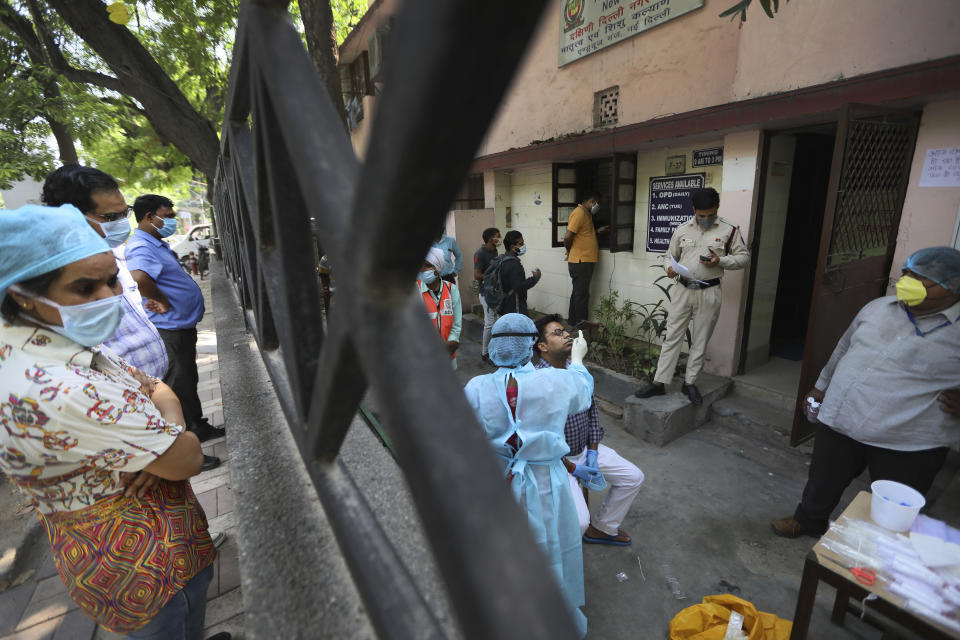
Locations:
182 617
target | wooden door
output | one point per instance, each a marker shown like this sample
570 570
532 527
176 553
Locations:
868 179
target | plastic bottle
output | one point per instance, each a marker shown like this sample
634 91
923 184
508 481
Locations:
812 409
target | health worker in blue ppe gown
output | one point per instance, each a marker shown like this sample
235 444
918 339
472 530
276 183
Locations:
523 410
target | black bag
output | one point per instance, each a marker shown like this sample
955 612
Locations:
492 287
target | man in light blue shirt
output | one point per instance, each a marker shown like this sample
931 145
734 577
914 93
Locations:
174 303
451 267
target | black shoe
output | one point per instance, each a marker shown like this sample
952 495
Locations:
691 391
210 462
650 389
205 431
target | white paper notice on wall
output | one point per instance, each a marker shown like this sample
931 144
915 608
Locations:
941 168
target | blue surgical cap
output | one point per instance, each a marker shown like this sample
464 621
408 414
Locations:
35 240
512 339
940 264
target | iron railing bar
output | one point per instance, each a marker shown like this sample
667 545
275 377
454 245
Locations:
421 147
498 580
335 396
394 602
237 105
307 121
292 303
242 170
495 575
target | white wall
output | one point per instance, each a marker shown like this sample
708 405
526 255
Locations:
27 191
775 201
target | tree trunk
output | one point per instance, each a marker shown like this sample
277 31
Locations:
68 151
165 106
321 35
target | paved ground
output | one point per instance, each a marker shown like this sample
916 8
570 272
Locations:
703 517
36 606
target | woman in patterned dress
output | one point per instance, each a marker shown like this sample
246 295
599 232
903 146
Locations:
98 446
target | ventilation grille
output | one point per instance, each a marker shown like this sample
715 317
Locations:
606 107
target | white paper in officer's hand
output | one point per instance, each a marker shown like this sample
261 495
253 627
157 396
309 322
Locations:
682 270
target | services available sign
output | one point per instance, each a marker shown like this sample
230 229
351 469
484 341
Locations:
670 206
586 26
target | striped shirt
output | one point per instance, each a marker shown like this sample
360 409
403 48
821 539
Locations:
136 340
581 428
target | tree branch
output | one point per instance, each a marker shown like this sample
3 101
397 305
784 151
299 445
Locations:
58 62
43 51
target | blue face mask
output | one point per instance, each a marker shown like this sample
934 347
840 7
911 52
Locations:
428 277
115 233
706 223
168 229
89 323
522 250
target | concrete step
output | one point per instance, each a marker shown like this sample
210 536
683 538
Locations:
753 417
763 393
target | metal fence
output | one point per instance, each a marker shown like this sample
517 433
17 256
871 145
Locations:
288 172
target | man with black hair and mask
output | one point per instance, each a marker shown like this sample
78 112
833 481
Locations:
512 277
97 195
175 303
707 246
583 251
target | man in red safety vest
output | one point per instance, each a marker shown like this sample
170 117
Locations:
442 300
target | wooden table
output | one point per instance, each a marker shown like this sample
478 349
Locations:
823 565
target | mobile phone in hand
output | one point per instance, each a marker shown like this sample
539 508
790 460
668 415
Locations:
706 258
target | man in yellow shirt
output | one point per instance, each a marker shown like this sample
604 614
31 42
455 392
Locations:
582 252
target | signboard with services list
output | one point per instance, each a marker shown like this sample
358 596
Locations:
670 206
586 26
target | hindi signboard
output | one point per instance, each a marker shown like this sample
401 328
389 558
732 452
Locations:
586 26
670 206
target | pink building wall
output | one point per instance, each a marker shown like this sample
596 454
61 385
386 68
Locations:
699 60
929 213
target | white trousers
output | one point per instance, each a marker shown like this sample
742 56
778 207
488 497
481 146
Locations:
623 482
489 317
701 307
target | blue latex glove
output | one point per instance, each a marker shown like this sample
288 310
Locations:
592 458
582 473
590 477
596 482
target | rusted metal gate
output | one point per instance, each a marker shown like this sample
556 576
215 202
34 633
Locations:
868 182
287 171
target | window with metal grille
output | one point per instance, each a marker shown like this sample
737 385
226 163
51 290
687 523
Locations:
355 78
615 179
606 107
470 195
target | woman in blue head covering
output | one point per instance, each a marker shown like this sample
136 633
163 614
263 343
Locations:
98 446
523 410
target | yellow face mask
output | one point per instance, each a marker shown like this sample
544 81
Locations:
910 291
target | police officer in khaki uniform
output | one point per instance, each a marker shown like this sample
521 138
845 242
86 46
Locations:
707 246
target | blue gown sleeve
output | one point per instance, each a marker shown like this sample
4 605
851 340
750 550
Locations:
581 393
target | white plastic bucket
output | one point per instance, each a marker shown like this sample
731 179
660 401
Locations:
895 506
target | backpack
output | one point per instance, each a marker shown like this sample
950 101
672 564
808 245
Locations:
492 287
